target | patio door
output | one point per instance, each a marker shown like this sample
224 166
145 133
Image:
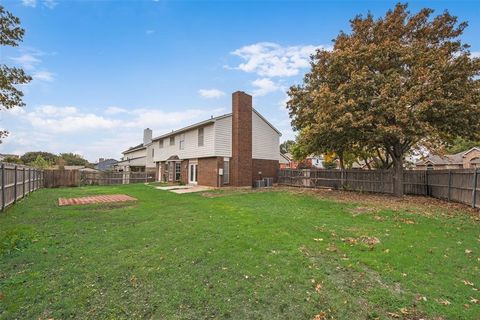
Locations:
193 173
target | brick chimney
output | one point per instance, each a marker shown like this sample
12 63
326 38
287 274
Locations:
241 163
147 136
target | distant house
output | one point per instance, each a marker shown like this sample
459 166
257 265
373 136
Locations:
140 157
3 156
312 161
74 167
105 164
462 160
234 149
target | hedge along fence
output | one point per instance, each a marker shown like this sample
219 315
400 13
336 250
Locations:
460 185
16 182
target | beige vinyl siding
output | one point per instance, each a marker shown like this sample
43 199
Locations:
265 140
149 160
223 137
135 154
191 149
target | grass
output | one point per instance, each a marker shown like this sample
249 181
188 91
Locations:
234 255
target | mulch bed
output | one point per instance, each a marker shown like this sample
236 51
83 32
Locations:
95 199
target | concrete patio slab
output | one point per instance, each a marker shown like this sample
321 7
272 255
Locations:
173 187
192 189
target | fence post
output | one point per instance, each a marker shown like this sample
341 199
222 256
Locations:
15 186
449 183
23 182
3 187
427 186
29 180
474 191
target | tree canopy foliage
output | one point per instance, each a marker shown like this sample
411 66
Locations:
11 34
286 146
390 84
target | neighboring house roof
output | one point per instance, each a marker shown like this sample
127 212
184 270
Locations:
105 165
284 158
6 155
135 148
204 122
456 158
89 170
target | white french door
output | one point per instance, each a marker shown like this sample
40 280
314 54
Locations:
193 173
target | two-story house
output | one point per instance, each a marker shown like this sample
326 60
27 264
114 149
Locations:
234 149
138 158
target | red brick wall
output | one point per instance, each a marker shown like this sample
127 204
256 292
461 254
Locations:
241 162
208 171
269 169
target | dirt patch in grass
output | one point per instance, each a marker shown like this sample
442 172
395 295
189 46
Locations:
371 202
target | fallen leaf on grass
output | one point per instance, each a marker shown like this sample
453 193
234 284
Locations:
393 315
321 316
318 287
2 295
473 300
317 239
467 283
419 297
468 251
444 302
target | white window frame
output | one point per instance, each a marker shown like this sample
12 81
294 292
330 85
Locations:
172 141
201 137
181 145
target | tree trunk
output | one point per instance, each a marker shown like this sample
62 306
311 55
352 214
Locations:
340 159
398 176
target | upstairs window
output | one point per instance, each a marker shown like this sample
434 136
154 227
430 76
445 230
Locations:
153 152
172 141
200 137
182 141
160 143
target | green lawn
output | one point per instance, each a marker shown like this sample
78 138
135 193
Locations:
237 255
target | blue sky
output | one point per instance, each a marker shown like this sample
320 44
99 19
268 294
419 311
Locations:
104 70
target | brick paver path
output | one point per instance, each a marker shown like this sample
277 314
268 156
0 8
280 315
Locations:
95 199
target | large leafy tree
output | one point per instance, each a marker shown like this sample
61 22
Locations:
72 159
286 146
11 34
30 157
392 83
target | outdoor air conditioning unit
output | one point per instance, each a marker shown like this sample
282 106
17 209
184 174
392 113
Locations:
259 183
268 182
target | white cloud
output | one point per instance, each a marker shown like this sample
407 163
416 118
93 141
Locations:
50 3
27 61
264 86
33 3
475 54
269 59
29 3
210 93
68 128
43 76
115 110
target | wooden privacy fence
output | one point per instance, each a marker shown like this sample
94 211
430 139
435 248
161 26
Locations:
72 178
16 182
107 178
460 185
